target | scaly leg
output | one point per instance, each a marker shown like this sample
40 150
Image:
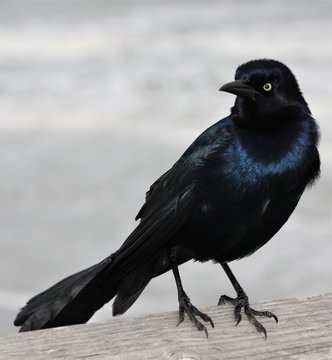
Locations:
242 301
185 306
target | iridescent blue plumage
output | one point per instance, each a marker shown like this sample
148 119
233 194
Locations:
226 196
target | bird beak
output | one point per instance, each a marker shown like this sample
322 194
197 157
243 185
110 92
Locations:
240 88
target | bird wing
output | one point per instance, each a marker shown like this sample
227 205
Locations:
172 199
187 170
168 204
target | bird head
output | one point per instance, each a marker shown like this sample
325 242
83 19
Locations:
267 92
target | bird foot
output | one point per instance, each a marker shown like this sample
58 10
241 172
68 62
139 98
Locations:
242 301
185 306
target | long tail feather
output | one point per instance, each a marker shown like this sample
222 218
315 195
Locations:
73 300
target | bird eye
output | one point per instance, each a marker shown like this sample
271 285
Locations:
267 87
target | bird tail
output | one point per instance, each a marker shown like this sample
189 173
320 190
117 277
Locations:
76 298
123 274
72 300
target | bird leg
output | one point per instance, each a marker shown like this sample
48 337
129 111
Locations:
242 301
185 306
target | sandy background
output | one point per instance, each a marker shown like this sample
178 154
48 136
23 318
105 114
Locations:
97 99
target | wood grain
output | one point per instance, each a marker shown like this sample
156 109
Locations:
304 332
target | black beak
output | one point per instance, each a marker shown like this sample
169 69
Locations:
240 88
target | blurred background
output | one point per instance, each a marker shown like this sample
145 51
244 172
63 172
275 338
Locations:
97 99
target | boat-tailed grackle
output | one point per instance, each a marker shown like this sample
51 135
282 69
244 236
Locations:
227 195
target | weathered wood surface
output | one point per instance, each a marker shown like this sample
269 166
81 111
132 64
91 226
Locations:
304 332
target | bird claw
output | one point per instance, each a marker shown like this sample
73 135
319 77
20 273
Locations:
185 306
242 302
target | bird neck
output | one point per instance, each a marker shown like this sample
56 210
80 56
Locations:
273 142
268 116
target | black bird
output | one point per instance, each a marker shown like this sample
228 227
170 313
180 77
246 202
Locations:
226 196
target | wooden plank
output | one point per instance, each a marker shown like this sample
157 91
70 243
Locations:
304 332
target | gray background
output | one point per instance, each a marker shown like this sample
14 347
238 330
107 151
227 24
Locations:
97 99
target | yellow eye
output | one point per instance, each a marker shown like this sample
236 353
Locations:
267 87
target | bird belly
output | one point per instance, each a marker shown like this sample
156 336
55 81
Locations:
229 230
